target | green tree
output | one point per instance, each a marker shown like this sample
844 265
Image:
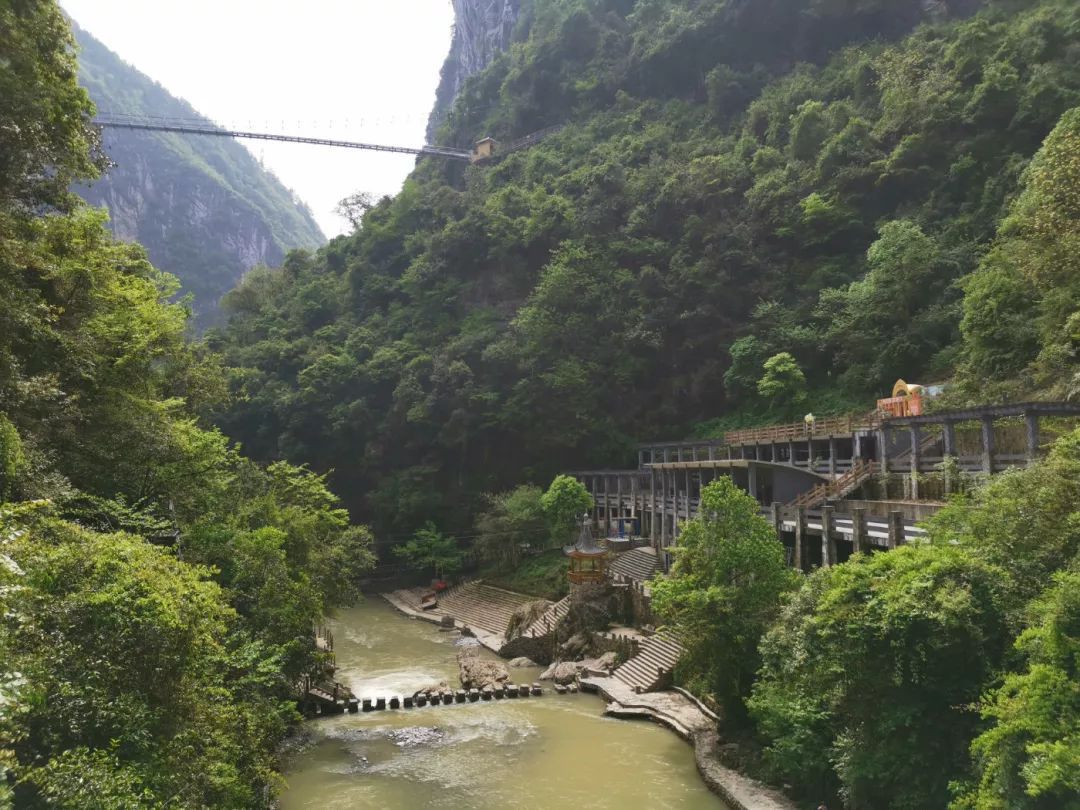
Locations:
428 549
725 589
46 139
870 673
513 520
1025 521
782 381
1029 758
564 503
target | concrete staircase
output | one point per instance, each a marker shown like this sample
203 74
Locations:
481 606
653 662
638 564
550 618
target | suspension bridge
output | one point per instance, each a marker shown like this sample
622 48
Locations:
485 148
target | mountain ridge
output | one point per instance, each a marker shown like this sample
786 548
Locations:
204 208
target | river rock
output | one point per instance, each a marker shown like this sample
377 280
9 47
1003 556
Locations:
521 661
575 646
561 672
478 673
606 661
433 690
417 735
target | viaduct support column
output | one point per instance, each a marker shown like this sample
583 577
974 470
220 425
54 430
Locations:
800 537
915 440
858 530
1031 422
988 444
751 481
652 507
828 538
948 440
791 452
663 509
832 457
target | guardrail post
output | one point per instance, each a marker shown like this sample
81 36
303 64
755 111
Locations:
896 528
858 529
828 537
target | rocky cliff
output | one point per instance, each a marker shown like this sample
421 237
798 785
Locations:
205 209
482 29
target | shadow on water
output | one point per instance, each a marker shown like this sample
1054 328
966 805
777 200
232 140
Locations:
537 753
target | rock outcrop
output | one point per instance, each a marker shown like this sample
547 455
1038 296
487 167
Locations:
478 673
482 29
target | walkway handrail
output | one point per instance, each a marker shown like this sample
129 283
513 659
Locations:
836 425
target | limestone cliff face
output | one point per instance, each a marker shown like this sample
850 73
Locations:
204 208
482 28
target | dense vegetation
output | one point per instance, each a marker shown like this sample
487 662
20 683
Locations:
827 182
203 208
157 590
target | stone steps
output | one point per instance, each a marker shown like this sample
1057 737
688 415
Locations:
482 607
550 618
638 564
655 659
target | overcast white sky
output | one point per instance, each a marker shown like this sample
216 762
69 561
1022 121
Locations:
350 69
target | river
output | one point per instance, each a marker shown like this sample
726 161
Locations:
554 751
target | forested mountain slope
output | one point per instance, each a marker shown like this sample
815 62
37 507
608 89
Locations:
736 180
204 209
157 590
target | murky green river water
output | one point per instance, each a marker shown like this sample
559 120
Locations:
537 753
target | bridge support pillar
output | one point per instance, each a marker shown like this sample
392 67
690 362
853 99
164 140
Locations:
915 441
791 452
948 440
663 509
800 536
828 537
988 444
883 449
1031 422
752 480
832 457
896 528
858 530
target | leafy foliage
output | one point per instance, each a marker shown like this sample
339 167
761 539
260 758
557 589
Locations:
564 503
724 591
1030 756
869 675
735 181
428 549
204 208
513 521
157 590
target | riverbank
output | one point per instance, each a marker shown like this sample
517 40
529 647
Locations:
550 752
671 709
697 725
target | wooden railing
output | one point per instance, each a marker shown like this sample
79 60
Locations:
800 431
860 471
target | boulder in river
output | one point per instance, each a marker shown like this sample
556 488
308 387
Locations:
521 661
575 646
562 672
434 689
478 673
